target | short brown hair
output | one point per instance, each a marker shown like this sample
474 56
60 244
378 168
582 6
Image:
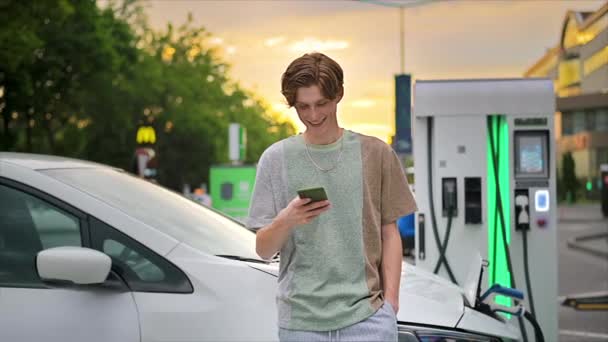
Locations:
312 69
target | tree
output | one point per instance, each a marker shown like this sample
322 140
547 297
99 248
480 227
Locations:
77 80
569 180
194 104
22 49
63 76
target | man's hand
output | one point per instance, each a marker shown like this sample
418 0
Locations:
301 211
394 303
271 238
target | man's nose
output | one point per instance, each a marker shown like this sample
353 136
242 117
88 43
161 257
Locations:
314 112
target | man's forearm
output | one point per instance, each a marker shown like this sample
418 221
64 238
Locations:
392 256
271 238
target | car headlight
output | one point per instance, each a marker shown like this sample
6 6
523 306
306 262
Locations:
411 333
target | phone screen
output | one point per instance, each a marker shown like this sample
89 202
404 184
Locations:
316 194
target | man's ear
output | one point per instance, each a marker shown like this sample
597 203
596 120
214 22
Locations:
339 97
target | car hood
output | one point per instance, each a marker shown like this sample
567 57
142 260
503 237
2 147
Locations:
424 298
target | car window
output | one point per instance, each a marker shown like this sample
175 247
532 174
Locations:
165 210
28 225
141 268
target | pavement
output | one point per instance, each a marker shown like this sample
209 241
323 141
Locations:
583 269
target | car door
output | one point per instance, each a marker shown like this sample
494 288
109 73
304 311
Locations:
33 310
160 288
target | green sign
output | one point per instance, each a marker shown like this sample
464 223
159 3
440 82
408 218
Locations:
231 188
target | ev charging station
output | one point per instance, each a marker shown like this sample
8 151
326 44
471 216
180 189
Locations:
484 153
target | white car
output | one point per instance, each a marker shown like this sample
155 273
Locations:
91 253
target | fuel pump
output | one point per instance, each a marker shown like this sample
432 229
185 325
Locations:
485 183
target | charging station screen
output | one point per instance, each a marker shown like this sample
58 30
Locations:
531 158
531 155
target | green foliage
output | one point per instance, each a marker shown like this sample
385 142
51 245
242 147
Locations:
78 80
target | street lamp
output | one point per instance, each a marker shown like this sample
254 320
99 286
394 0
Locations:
402 140
401 5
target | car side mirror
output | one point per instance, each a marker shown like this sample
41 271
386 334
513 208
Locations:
78 265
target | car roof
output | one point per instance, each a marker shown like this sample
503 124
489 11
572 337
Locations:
46 162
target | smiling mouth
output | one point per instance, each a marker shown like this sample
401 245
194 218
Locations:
317 124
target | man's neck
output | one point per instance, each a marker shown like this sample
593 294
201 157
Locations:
324 139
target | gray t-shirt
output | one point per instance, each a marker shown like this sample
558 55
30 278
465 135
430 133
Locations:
330 268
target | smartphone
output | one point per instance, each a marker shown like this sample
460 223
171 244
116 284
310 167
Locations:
316 194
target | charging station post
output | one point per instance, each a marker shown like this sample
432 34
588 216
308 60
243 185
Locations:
485 183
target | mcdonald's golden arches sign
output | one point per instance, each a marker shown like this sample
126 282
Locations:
146 135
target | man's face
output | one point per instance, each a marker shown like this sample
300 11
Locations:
316 112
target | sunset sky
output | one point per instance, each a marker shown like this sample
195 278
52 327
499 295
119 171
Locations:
446 39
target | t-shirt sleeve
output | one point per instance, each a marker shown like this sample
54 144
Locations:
397 199
262 208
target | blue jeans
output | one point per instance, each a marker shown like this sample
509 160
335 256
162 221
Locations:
381 326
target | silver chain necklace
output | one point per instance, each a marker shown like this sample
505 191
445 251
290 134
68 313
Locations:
337 161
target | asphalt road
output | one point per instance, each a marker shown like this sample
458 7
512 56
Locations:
582 271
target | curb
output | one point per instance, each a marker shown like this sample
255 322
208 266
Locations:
574 244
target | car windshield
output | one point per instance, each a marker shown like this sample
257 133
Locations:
165 210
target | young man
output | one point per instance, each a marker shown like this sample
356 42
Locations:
341 258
